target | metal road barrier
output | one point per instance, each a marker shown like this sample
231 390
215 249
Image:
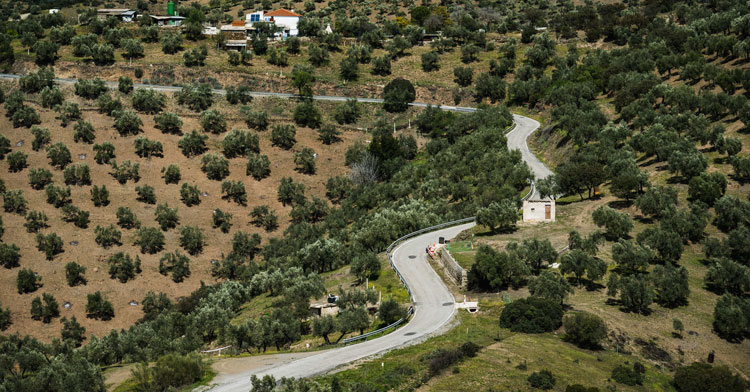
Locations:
403 281
381 330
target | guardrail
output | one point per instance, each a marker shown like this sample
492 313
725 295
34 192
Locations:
403 281
381 330
531 192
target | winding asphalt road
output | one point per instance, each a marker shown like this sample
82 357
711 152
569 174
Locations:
434 305
517 140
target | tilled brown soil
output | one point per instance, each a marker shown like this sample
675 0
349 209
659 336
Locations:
79 244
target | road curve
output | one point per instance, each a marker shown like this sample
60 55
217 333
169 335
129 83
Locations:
433 302
434 306
517 140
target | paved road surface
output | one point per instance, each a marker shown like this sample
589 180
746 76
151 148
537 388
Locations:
517 141
434 304
253 93
434 307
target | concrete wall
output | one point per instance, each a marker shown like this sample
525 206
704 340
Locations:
455 271
535 210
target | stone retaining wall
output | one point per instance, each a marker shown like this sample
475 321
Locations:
455 271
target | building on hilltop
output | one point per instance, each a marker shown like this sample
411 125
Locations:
285 19
124 14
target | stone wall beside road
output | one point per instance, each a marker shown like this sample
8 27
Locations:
455 271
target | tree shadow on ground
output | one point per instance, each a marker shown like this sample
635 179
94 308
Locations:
620 204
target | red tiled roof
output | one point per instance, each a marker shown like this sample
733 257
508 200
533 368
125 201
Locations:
281 12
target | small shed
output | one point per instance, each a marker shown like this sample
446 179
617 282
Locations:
539 210
124 14
234 32
167 20
324 309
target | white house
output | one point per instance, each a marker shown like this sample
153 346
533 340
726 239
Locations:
539 210
285 19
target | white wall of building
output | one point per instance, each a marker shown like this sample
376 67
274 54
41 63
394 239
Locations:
537 211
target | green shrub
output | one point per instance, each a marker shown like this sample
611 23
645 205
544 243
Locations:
78 217
290 192
176 263
702 377
585 330
625 375
149 101
258 166
196 97
222 220
240 94
430 61
78 174
391 311
190 195
255 120
17 161
39 178
72 331
463 76
264 217
532 315
170 372
213 121
14 202
283 136
122 267
42 138
100 196
45 311
126 218
90 89
397 95
235 191
125 84
215 166
240 143
125 171
168 123
27 281
305 161
35 221
328 134
191 239
347 113
105 152
52 97
307 114
9 255
128 123
145 194
5 317
166 217
107 236
83 132
146 148
74 274
150 239
68 112
171 174
543 380
193 144
57 196
59 155
98 307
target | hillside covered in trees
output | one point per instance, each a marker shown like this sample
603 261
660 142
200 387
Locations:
208 203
